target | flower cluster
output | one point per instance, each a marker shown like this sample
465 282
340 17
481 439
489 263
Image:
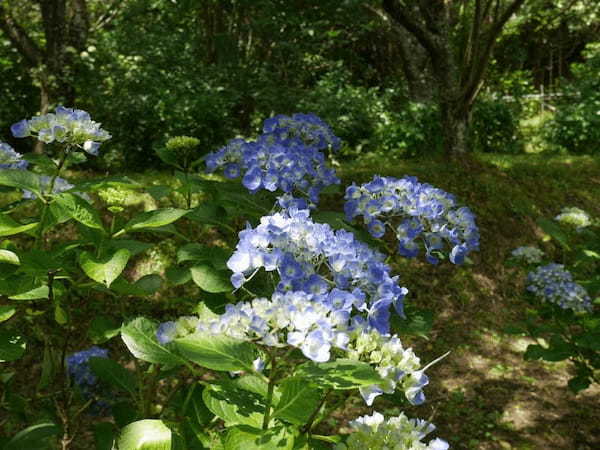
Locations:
554 284
69 126
277 161
529 254
10 159
79 370
575 217
413 210
313 258
318 327
311 129
396 433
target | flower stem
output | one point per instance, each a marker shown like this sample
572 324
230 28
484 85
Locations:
270 390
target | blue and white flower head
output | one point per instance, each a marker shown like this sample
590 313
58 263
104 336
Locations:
374 432
552 283
311 129
168 331
574 217
277 161
529 254
311 257
72 127
420 215
10 159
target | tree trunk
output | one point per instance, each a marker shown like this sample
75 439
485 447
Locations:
44 106
455 128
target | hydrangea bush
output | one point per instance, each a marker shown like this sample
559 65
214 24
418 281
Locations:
565 319
252 370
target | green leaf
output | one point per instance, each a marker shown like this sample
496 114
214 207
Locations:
215 256
417 323
234 405
102 329
168 157
105 271
146 435
178 275
114 374
6 312
36 293
33 437
248 438
104 435
42 161
157 192
210 279
80 210
555 232
139 336
60 315
298 400
589 340
195 409
9 227
134 247
147 285
579 383
8 257
12 346
154 219
339 374
22 179
217 352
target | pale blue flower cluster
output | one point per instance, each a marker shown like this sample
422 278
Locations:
529 254
311 129
10 159
374 432
69 126
277 161
311 257
553 284
168 331
415 212
575 217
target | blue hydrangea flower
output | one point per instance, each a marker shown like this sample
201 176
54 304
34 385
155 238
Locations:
10 159
420 216
313 258
73 127
169 331
311 129
81 374
60 185
287 158
552 283
531 255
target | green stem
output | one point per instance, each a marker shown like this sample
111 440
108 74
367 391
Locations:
270 390
306 428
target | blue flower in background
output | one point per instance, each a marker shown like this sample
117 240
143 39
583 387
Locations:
421 217
554 284
81 373
10 159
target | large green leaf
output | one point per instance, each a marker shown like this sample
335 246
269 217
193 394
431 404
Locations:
114 374
12 345
139 336
555 232
80 210
33 438
147 285
210 279
244 437
102 329
217 352
9 227
146 435
154 219
234 405
8 257
339 374
107 270
298 400
6 312
36 293
22 179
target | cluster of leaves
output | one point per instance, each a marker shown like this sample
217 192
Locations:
564 333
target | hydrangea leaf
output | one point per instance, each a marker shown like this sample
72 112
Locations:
21 179
6 312
248 438
8 257
107 270
33 437
217 352
79 209
139 336
210 279
12 346
154 219
146 435
9 227
555 232
339 374
147 285
298 400
114 374
102 329
234 405
36 293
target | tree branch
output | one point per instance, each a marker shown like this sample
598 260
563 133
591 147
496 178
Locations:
20 39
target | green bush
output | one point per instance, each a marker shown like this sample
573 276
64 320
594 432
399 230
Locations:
495 127
576 124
